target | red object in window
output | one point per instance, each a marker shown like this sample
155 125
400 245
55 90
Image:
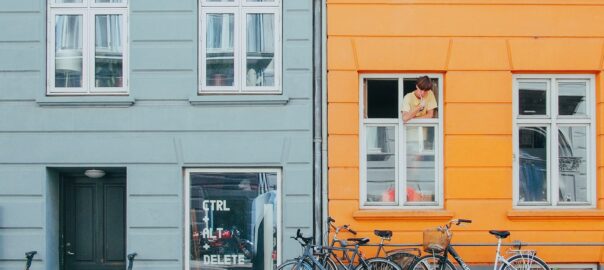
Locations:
388 195
412 195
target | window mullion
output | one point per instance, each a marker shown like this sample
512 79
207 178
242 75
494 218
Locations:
242 57
402 160
88 48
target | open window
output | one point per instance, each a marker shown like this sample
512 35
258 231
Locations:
401 164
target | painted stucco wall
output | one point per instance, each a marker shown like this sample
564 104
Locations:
162 127
477 46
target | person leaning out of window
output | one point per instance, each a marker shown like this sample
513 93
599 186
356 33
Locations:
421 102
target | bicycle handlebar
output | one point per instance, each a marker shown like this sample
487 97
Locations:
29 256
131 259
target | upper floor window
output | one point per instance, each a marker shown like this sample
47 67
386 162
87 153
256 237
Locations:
240 47
401 162
87 47
554 141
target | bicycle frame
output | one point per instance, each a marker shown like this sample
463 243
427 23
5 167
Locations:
498 258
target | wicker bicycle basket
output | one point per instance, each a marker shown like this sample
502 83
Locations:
436 240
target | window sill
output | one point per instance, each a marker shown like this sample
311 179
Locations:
85 101
239 100
403 215
555 214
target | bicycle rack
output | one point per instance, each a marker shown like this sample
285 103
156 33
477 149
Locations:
131 259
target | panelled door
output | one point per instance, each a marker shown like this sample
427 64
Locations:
94 223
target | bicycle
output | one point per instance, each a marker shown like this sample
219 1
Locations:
522 260
309 259
404 257
30 257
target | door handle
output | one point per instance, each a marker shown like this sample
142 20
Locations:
70 253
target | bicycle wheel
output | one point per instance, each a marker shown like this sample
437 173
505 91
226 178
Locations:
432 262
378 264
402 258
294 264
329 264
524 262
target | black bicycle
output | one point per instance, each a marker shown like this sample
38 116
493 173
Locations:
316 257
30 257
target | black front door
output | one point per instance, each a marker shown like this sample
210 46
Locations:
94 223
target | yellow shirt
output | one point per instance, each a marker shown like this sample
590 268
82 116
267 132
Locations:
411 101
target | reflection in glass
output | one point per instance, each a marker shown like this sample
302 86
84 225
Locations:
233 219
110 1
533 164
532 98
68 1
572 151
421 165
68 51
220 36
260 67
571 98
227 1
109 51
381 164
260 0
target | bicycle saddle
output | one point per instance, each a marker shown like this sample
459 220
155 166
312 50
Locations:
383 234
359 241
500 234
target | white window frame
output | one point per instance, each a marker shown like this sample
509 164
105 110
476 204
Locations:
552 121
88 9
400 173
187 204
240 9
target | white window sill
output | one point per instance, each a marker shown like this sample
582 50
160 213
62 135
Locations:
85 101
239 100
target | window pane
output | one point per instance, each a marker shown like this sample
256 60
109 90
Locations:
68 51
381 164
533 164
381 98
110 1
109 51
228 1
68 1
220 38
572 150
532 98
260 68
421 164
260 0
233 220
571 99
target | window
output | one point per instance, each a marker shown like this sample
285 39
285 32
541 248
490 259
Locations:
240 49
554 141
87 47
400 163
231 218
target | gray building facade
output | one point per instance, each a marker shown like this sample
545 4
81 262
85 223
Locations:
198 113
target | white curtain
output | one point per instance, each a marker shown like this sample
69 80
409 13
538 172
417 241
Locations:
220 32
68 32
261 33
109 32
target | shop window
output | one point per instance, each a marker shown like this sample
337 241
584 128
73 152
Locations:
87 47
232 219
401 161
554 141
240 47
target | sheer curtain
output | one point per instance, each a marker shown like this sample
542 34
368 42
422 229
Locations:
68 51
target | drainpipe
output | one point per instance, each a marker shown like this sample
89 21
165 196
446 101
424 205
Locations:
318 119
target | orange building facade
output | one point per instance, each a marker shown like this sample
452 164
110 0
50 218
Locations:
516 141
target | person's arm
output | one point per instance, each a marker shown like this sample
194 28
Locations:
429 114
410 114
